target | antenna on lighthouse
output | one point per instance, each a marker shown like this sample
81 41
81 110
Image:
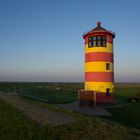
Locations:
98 23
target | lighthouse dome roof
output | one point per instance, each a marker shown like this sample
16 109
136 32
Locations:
99 29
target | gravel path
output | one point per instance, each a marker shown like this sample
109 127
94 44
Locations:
37 113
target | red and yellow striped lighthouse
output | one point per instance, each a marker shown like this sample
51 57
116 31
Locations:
99 67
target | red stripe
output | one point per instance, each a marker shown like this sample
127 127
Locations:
99 56
103 98
109 39
99 77
86 40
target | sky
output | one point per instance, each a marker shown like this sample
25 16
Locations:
41 40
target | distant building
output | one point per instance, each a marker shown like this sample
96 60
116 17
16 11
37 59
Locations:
99 64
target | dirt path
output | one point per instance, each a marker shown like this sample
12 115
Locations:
36 112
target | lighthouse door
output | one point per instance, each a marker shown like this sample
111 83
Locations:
108 91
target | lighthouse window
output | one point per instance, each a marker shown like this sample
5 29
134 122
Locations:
97 41
90 44
90 41
107 66
90 38
103 43
98 37
103 38
94 38
94 43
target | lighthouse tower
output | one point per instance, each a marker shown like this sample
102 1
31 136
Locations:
99 67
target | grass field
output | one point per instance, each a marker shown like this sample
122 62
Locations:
14 125
123 91
54 93
127 115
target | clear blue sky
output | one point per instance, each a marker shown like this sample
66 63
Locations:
41 40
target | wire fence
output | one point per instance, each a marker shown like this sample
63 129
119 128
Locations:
48 95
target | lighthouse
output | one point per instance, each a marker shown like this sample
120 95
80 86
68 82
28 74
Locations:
99 66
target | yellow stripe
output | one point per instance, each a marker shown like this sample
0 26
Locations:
99 86
97 67
108 48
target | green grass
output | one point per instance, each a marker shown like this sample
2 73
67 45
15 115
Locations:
67 92
57 96
123 91
128 115
14 125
